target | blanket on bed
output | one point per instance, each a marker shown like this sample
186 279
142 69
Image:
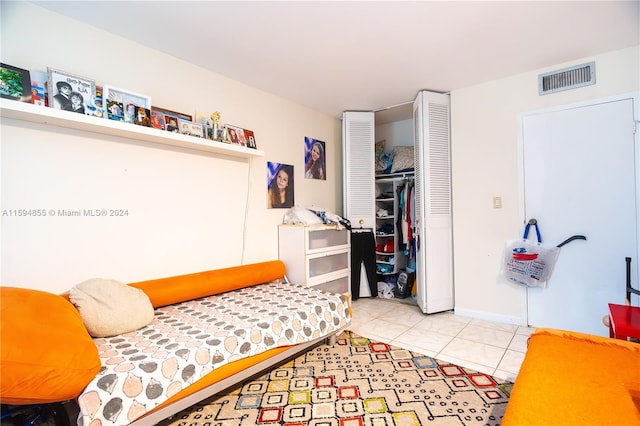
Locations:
186 341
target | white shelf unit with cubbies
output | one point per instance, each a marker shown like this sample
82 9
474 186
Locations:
389 259
316 256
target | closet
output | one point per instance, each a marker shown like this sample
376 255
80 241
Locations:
395 246
366 193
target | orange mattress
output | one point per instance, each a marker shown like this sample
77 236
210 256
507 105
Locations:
570 378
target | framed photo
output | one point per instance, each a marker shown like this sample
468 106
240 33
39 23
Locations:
70 92
280 188
96 106
171 118
39 86
15 83
157 120
190 128
221 134
251 140
236 135
314 159
124 102
115 110
142 117
206 120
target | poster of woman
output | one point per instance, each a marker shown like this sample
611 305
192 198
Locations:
314 159
279 185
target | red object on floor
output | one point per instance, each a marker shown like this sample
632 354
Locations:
624 321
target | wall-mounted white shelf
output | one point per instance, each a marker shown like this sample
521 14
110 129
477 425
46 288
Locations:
55 117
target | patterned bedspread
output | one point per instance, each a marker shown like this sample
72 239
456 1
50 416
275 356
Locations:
186 341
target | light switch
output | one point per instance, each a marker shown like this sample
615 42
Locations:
497 202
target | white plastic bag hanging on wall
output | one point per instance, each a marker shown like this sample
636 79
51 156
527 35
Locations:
529 263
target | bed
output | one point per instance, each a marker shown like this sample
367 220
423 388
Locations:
570 378
210 331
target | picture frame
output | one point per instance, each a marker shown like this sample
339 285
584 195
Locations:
221 134
39 84
122 104
15 83
206 120
96 105
70 92
236 135
280 185
142 117
157 120
314 159
114 110
190 128
251 140
171 118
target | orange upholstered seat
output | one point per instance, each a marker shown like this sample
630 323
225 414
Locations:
570 378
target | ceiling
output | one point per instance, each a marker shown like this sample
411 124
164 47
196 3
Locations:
333 56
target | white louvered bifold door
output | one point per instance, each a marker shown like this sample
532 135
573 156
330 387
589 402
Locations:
433 222
358 159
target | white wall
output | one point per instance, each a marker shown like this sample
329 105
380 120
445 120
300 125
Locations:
397 133
484 134
188 210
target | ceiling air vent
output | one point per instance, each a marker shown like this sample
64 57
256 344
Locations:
568 78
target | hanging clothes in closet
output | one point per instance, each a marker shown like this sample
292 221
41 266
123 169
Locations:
412 210
405 218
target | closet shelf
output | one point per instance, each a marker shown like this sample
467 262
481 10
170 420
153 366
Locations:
55 117
390 177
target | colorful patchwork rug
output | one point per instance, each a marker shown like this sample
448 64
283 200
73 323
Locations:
357 382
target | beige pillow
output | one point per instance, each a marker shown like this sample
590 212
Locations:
402 159
109 307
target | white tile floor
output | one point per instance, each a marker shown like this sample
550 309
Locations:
489 347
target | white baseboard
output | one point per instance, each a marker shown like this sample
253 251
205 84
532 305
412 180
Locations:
490 316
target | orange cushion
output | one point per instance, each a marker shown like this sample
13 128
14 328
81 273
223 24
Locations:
569 378
167 291
46 353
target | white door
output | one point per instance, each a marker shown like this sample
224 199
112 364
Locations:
358 133
358 156
433 221
579 178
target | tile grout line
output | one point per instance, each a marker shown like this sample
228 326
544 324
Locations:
454 337
505 352
376 314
